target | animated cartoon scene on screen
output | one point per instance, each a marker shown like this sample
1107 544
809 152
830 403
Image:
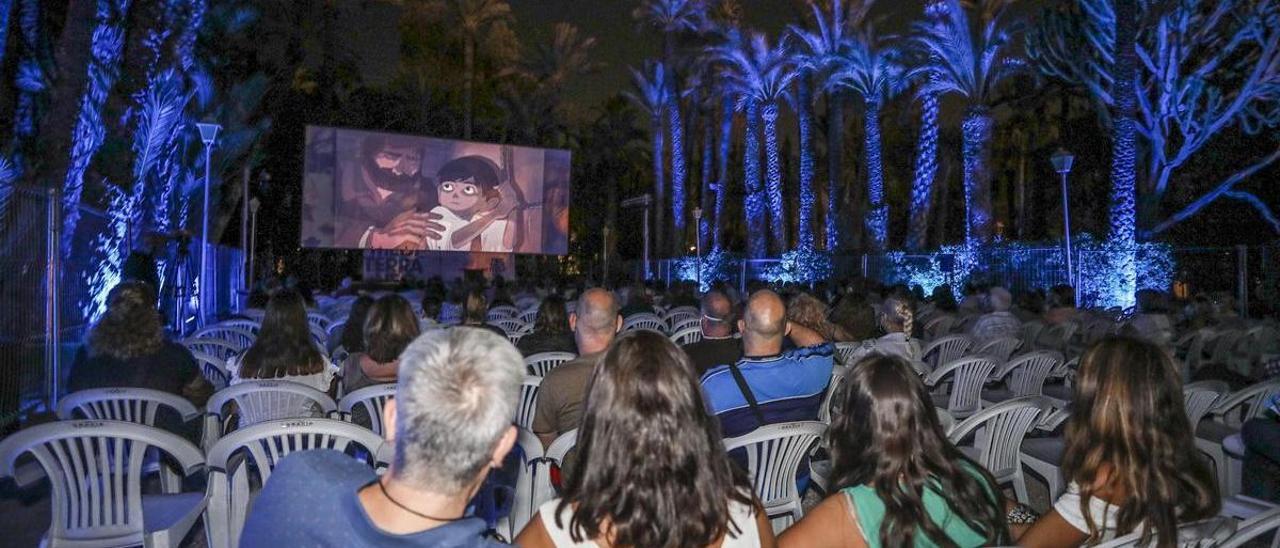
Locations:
368 190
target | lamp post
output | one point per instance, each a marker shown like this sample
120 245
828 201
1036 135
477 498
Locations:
208 134
1062 161
605 253
697 221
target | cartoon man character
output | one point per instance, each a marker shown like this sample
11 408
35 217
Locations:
384 200
474 207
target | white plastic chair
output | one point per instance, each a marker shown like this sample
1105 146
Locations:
688 335
845 351
1058 337
967 376
240 338
95 475
319 320
998 349
543 362
530 315
263 446
945 350
1226 417
1025 376
1191 347
510 326
1030 332
1200 397
686 323
531 465
998 441
252 326
680 315
213 368
645 321
542 490
371 399
939 327
1254 527
260 401
135 405
774 454
334 333
528 402
217 348
1209 532
503 312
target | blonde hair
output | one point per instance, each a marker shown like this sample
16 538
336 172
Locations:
896 312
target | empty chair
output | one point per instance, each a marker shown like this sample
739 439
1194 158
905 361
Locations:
136 405
1256 527
213 369
370 401
967 376
774 455
217 348
238 337
95 470
510 325
687 335
542 363
945 350
528 401
262 446
998 434
503 312
1225 419
644 321
998 349
259 401
1023 376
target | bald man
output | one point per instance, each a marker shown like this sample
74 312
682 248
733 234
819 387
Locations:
717 347
595 321
768 385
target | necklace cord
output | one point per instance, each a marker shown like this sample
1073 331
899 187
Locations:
383 488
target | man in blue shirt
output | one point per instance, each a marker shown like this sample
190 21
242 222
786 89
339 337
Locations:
455 401
768 385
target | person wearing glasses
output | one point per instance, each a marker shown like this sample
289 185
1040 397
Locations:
717 347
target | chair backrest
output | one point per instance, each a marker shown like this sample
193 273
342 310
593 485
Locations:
677 316
1225 345
967 377
695 321
533 479
371 399
945 350
645 321
334 332
687 335
319 320
837 377
252 326
1246 403
217 348
1000 430
1057 337
263 446
503 312
240 338
339 355
530 315
1031 331
543 362
95 475
528 401
998 349
845 351
774 453
1200 397
939 326
511 325
1255 527
1026 373
264 400
1209 532
136 405
213 368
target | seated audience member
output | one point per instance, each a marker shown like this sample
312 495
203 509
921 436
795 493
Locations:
1029 306
1152 320
1062 305
551 331
285 350
1126 457
677 490
856 318
352 337
455 400
128 348
898 480
432 304
638 301
997 323
475 310
768 385
389 327
595 322
944 299
1262 454
806 310
717 347
974 300
897 321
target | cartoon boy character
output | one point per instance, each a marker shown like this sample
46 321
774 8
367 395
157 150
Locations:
473 204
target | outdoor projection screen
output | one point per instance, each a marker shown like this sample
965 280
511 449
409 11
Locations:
371 190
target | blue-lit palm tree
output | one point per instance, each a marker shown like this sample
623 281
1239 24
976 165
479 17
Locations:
817 48
758 75
926 161
971 61
650 94
872 70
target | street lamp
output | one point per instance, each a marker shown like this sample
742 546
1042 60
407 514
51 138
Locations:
208 134
697 222
1062 161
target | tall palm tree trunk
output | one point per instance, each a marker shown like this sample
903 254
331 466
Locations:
878 217
777 211
6 8
468 83
754 200
1124 161
926 171
705 197
722 168
678 173
659 183
835 149
977 131
804 118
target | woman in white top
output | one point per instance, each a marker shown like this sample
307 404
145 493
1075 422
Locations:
284 350
897 321
1129 454
651 468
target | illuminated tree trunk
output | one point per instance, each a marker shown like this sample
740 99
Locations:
659 183
706 196
977 129
676 127
6 8
835 148
754 200
777 211
878 217
804 118
1124 161
722 168
926 171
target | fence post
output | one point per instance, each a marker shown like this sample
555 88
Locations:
52 329
1242 279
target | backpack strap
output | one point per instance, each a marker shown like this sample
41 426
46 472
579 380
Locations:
746 393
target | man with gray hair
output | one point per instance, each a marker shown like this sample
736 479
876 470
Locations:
998 322
450 423
595 321
717 346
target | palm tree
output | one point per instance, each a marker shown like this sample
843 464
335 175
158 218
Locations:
926 168
1124 157
534 106
817 50
871 70
473 18
758 75
650 95
971 62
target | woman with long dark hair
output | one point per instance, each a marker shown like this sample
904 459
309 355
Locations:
389 326
1130 454
651 468
352 337
899 481
551 331
285 349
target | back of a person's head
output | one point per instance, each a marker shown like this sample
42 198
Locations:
597 313
717 310
887 435
389 327
475 308
999 299
807 310
432 304
1129 430
131 326
352 338
284 345
551 316
456 396
645 395
896 316
1062 296
765 316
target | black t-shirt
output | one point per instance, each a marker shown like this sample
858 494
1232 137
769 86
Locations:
708 353
168 370
542 341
